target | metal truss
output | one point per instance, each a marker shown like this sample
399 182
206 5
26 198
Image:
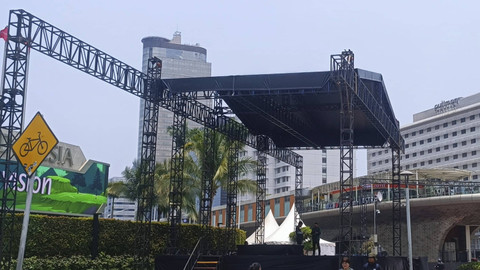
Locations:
298 188
231 213
343 68
262 142
176 172
396 203
147 163
14 84
207 176
374 111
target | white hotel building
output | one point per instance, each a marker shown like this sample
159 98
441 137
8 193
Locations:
445 136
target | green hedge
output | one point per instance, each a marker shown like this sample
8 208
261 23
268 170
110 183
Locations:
470 266
78 263
71 236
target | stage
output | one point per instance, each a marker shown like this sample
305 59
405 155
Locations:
276 257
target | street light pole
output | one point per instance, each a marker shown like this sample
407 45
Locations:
407 174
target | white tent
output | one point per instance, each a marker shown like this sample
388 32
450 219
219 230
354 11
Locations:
270 225
281 235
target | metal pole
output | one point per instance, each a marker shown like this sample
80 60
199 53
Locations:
409 225
375 237
26 218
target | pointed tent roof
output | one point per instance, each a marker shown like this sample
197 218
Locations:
281 235
270 225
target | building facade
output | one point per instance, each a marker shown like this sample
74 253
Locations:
120 208
178 61
445 136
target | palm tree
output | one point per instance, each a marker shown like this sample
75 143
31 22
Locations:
194 162
115 190
162 190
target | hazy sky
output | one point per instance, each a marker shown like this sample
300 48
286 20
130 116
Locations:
427 51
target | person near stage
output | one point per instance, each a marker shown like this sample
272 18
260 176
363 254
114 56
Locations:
255 266
316 238
299 233
345 264
372 263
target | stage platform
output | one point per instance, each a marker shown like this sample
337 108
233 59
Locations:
290 262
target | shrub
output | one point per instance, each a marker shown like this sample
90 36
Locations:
50 236
470 266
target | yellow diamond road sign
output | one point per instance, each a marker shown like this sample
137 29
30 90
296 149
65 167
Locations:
35 143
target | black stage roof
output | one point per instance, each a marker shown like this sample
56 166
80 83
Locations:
302 109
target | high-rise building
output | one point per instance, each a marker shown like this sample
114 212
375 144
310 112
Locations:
445 136
178 61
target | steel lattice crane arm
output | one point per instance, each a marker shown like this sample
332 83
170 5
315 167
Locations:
50 40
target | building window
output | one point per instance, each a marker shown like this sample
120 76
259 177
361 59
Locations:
373 154
445 136
455 145
438 160
475 177
421 141
430 161
462 120
414 144
472 129
437 149
374 164
464 143
422 153
420 131
407 156
445 124
386 161
473 141
464 154
407 167
429 129
407 145
422 163
454 133
463 131
472 117
406 135
414 165
414 133
454 122
380 162
465 166
437 127
455 156
414 154
474 165
429 151
445 147
437 138
474 153
429 140
446 158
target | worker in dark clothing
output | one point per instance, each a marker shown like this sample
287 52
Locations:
299 233
372 263
316 238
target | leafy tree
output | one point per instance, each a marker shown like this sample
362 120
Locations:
116 190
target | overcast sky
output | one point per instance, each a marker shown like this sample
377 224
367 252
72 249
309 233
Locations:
427 51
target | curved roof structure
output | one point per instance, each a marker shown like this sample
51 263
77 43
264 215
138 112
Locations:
302 109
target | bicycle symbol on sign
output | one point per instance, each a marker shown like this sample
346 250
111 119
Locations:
42 146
